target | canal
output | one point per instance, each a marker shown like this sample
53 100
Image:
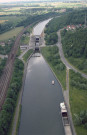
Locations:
40 113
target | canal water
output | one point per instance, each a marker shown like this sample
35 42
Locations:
40 27
40 104
40 113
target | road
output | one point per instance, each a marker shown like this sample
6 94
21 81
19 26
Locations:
66 92
68 65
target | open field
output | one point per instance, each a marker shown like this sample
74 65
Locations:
15 9
2 21
10 34
13 19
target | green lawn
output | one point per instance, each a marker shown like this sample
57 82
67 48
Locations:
60 73
79 63
26 56
78 101
10 34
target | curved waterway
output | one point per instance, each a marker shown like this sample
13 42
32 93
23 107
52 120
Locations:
40 27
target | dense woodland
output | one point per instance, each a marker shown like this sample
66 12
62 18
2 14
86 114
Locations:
6 115
75 17
75 47
75 43
79 84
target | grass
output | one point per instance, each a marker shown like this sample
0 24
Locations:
78 102
13 19
2 21
60 74
24 40
26 56
79 63
10 34
18 122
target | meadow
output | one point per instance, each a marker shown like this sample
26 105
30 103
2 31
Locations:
10 34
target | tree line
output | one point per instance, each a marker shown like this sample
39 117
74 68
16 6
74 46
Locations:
75 43
75 17
7 112
52 56
79 83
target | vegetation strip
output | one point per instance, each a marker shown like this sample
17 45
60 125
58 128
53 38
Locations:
10 34
75 17
7 112
71 41
27 54
52 56
78 99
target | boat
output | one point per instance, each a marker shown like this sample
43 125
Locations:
65 119
53 82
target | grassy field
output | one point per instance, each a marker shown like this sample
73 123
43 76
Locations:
10 34
60 73
79 63
78 102
2 21
26 56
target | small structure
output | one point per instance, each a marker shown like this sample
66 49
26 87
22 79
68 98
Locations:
23 47
2 44
53 82
37 38
70 27
65 119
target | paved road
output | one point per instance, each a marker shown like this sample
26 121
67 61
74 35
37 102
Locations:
59 44
66 92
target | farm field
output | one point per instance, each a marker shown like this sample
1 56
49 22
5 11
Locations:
10 34
10 9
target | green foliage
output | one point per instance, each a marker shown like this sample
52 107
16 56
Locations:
7 48
75 17
26 56
78 81
9 106
75 47
78 102
51 39
81 118
73 40
36 18
52 56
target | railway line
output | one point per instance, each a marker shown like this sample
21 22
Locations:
7 73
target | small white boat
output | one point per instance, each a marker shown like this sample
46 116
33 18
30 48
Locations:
53 82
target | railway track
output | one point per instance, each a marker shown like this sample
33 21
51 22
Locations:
7 73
